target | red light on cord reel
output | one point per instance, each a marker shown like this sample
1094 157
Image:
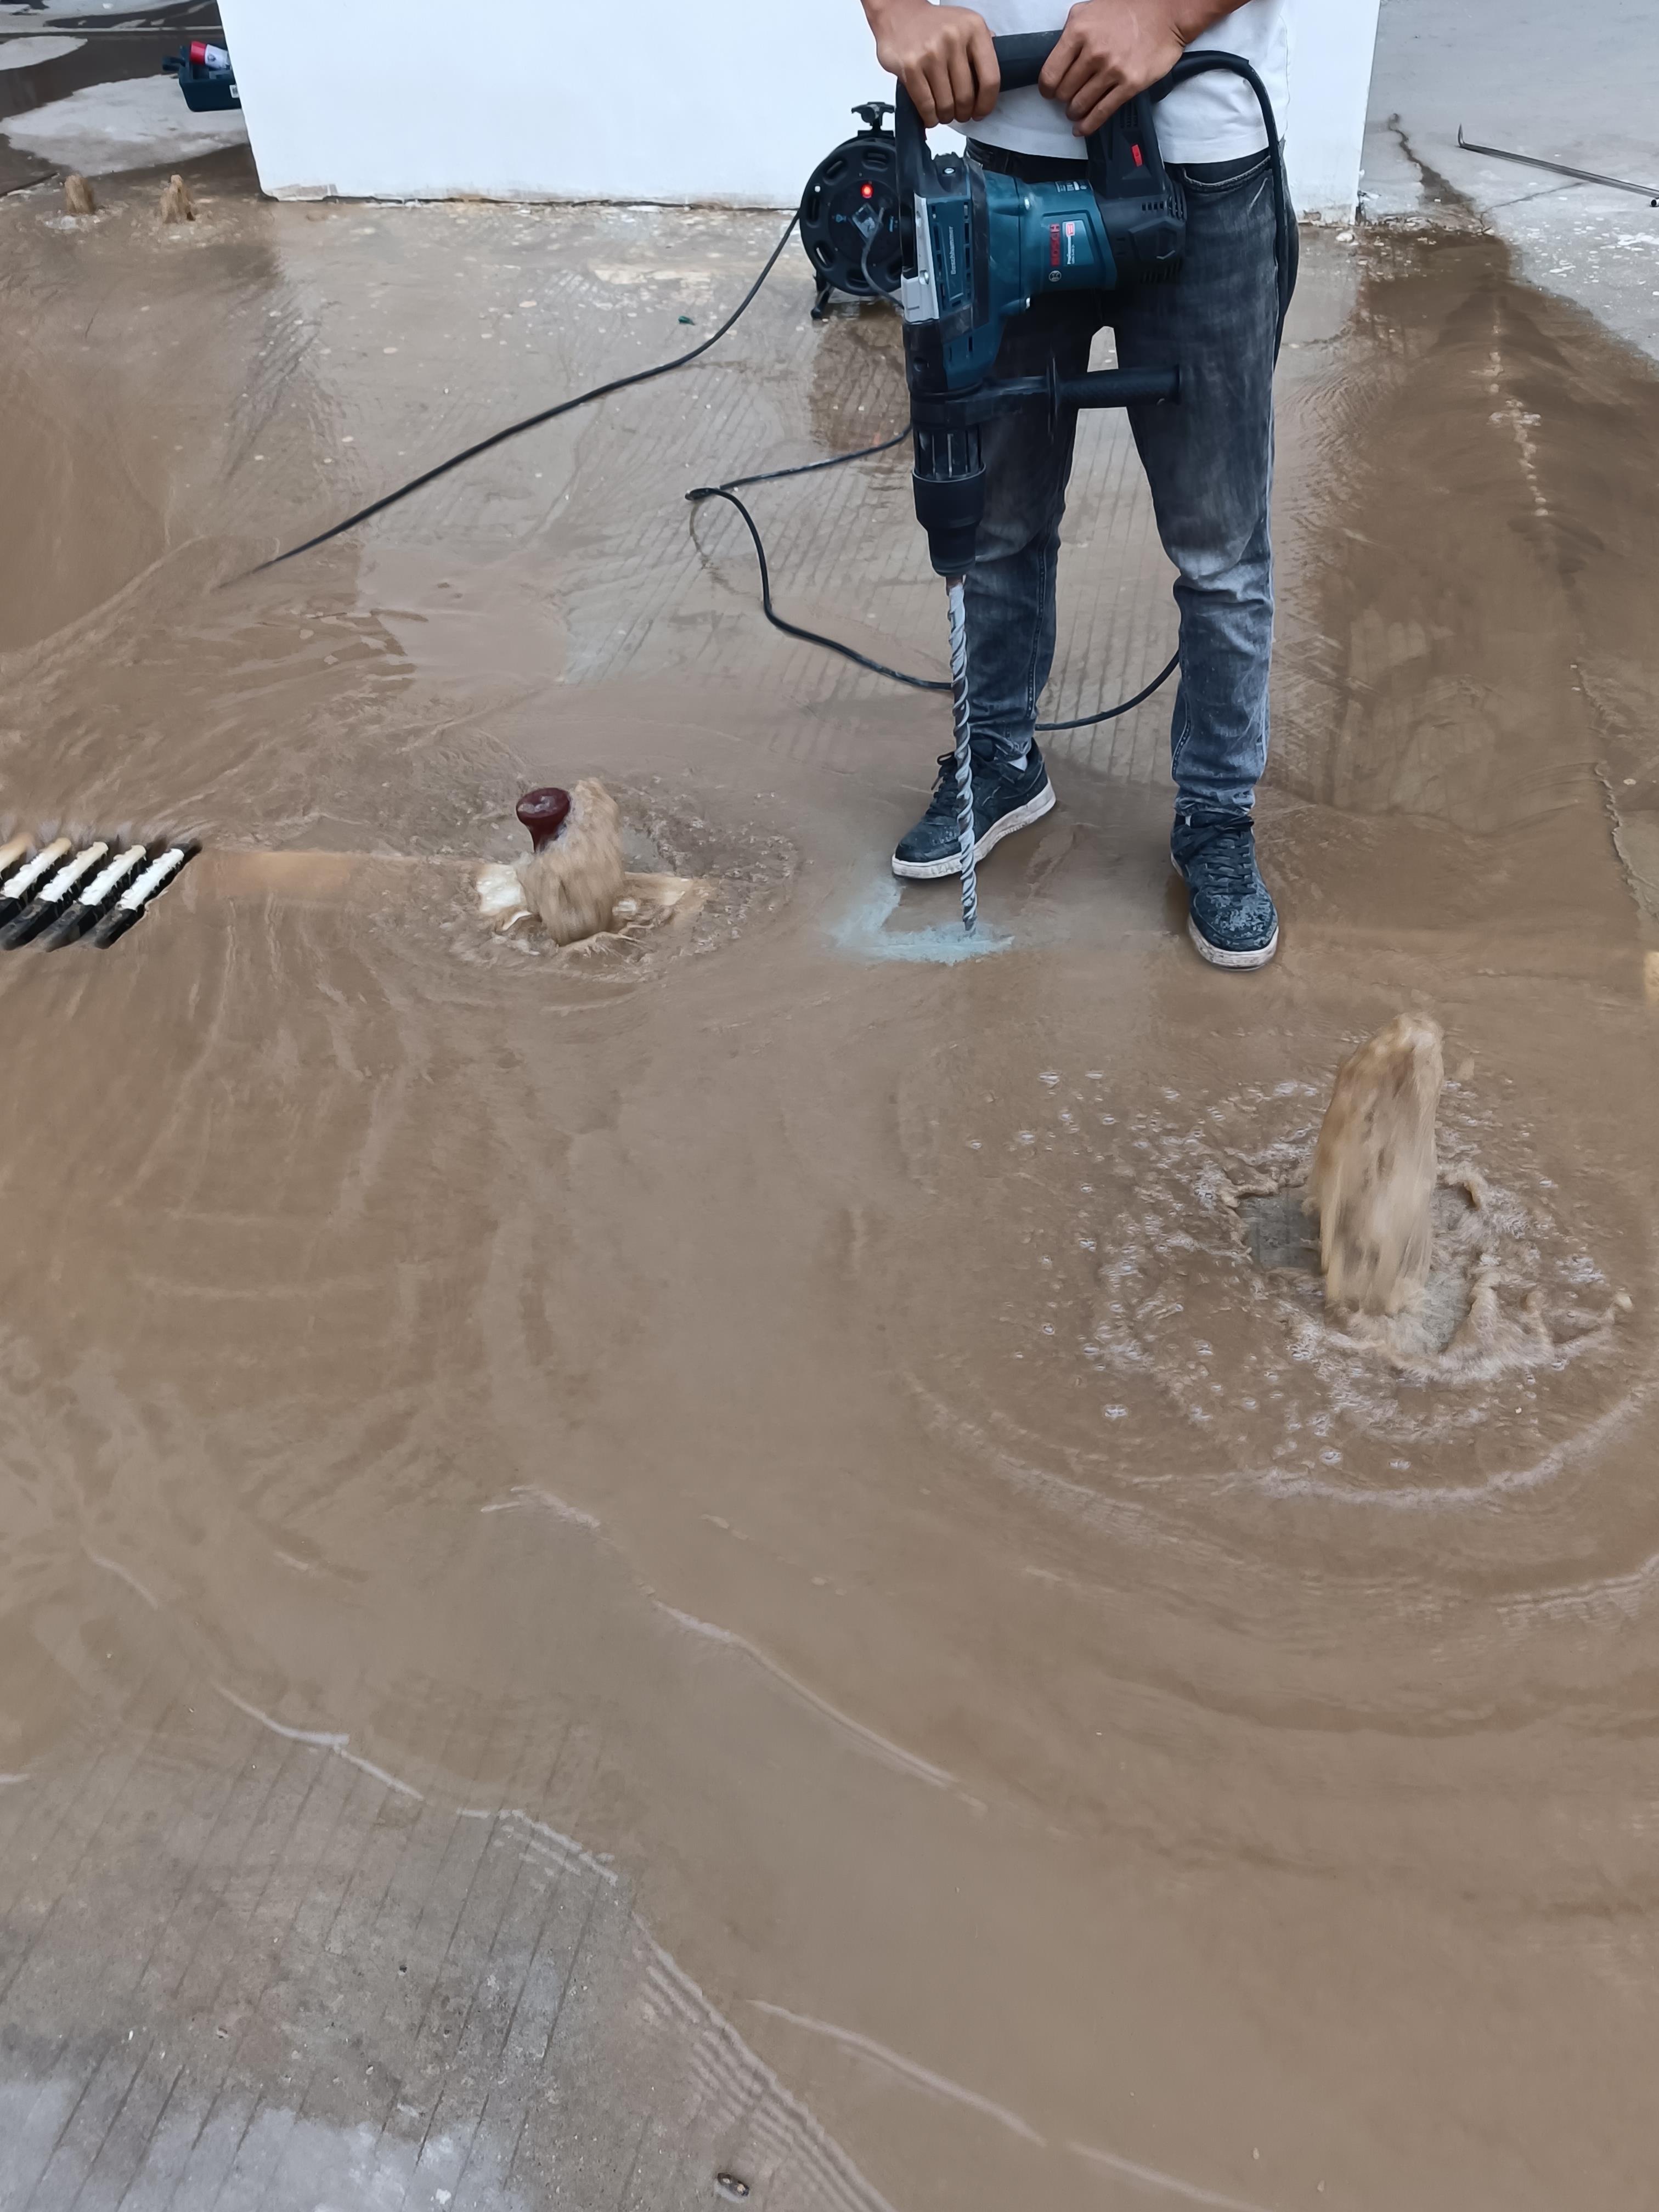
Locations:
866 191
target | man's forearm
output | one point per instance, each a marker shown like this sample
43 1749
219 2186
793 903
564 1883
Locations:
1109 50
1192 17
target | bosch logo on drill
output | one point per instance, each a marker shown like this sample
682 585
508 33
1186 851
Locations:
1059 252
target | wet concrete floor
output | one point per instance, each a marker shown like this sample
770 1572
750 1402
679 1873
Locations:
721 1562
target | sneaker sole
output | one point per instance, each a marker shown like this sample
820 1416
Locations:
1020 817
1219 957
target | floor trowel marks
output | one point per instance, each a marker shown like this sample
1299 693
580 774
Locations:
911 1400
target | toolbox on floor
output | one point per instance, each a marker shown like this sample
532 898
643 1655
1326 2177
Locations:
204 87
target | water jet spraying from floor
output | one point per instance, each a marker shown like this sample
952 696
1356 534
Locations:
1373 1177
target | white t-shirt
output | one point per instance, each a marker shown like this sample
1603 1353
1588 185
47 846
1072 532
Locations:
1216 118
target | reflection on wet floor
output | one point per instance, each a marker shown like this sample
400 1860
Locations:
780 1451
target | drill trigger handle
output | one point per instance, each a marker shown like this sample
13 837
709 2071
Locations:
1140 203
1020 58
1123 157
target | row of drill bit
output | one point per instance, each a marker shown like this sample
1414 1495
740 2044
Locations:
66 891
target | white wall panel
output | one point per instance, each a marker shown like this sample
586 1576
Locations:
729 101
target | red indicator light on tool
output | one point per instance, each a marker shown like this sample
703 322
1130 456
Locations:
1135 150
866 191
1054 245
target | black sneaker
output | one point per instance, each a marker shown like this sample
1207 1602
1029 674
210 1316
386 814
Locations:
1231 917
1004 801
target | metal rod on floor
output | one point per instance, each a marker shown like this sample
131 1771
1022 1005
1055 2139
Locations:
956 604
48 30
1649 192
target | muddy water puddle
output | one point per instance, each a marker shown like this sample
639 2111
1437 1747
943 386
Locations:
797 1442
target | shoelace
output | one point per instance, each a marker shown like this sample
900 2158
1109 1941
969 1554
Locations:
1226 863
944 800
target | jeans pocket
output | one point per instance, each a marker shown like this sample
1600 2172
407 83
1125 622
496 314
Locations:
1215 188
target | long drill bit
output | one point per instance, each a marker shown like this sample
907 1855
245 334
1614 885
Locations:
956 604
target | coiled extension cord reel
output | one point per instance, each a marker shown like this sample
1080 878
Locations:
849 215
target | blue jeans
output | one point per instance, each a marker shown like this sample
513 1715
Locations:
1208 459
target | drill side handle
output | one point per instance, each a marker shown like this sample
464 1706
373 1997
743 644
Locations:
1118 387
936 417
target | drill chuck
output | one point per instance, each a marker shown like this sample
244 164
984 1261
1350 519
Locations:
949 483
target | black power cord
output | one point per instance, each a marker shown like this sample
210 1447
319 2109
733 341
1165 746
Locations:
792 629
1124 705
543 415
800 468
1286 253
726 491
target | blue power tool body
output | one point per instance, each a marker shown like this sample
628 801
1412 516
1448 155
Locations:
981 247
